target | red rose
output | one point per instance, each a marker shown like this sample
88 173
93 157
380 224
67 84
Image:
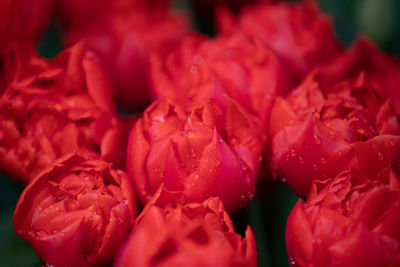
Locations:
170 233
382 71
349 221
23 20
50 108
318 134
233 64
298 32
77 212
200 150
124 39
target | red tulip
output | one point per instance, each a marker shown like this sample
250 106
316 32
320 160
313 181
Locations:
381 71
297 32
319 132
77 212
202 69
124 38
199 150
23 20
50 108
170 233
349 221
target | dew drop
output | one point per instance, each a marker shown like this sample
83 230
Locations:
380 156
260 158
317 140
283 179
391 143
54 231
323 160
196 176
293 152
287 157
242 197
315 167
301 160
292 261
125 201
193 69
190 134
218 162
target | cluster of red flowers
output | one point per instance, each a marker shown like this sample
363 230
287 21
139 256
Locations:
274 88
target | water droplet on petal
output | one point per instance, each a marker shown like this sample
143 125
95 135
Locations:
287 157
293 152
323 160
193 69
242 197
317 140
380 156
283 179
391 143
292 261
301 160
260 158
315 167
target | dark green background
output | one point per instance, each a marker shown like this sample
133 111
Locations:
380 19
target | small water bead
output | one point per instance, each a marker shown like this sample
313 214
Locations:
196 176
283 179
190 134
197 59
293 152
260 158
317 140
301 160
323 160
315 167
54 231
193 69
287 157
391 143
242 197
292 261
380 155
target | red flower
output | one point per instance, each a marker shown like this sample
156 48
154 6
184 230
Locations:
318 134
382 71
170 233
23 20
235 65
349 221
202 151
77 212
124 38
298 32
50 108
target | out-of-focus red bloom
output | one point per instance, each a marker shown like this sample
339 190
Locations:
50 108
77 212
298 32
233 64
318 132
23 20
382 71
171 233
124 38
349 221
201 150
